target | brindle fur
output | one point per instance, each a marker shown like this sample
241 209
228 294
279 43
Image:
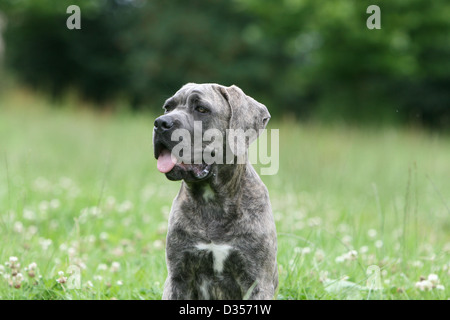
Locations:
237 213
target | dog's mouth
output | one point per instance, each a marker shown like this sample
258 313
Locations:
168 162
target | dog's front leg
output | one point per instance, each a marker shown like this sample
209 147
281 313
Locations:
176 289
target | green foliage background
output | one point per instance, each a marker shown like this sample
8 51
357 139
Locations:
309 58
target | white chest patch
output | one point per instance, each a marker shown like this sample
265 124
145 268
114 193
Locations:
220 253
208 194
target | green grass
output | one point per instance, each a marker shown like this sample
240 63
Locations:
81 188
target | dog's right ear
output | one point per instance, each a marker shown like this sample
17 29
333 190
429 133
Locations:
247 114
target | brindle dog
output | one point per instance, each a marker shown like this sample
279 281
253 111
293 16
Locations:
221 241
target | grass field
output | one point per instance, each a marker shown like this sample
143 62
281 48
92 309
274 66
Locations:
82 189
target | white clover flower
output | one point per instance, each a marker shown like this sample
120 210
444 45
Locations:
349 256
29 214
424 285
31 269
119 282
61 278
343 228
417 264
323 276
31 231
432 282
162 227
352 254
291 263
364 249
319 255
97 278
13 260
43 206
446 267
45 243
158 244
103 236
344 278
433 278
314 222
17 280
372 233
306 250
78 262
115 266
118 251
65 182
55 203
347 239
378 244
95 211
125 206
71 252
18 227
13 264
102 267
446 247
165 210
91 238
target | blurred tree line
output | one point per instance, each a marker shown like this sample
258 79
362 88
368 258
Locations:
300 57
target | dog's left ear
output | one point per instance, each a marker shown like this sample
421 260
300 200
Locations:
248 117
246 112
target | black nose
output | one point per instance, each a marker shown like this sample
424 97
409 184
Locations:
164 123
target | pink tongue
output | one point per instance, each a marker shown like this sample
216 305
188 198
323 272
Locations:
165 161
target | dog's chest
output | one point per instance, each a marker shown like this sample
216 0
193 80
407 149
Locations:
212 270
205 250
219 253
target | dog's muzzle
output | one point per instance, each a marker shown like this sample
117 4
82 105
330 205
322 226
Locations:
162 127
167 162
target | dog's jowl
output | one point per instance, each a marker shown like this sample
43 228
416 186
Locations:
221 240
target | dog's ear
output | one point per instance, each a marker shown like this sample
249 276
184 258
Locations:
247 115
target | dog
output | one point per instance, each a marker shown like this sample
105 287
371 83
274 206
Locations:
221 240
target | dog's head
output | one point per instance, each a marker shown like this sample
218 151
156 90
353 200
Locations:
203 127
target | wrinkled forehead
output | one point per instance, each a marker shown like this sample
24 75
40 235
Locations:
190 92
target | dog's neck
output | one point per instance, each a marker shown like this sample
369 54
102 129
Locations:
223 186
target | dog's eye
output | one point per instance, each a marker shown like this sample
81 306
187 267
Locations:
167 109
201 109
